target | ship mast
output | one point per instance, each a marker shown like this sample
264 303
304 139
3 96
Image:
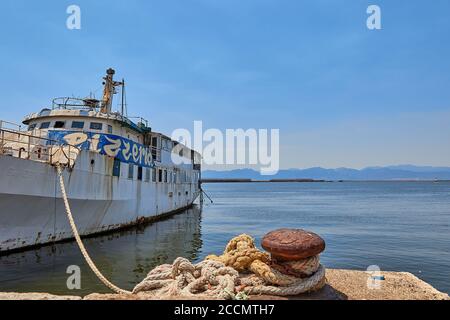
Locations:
109 90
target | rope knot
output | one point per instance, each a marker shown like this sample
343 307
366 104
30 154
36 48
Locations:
220 276
182 265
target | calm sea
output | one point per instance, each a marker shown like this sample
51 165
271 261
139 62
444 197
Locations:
399 226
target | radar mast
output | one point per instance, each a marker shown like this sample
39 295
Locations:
109 90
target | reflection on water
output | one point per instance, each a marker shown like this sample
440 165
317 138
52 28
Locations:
124 257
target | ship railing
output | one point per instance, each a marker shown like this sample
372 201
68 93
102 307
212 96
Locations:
23 145
71 103
11 125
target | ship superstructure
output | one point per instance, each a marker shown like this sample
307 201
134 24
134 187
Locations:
118 171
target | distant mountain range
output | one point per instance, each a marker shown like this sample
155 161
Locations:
399 172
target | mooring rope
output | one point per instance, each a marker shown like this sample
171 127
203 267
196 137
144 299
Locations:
241 270
78 238
209 198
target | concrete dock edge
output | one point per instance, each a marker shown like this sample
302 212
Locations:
341 285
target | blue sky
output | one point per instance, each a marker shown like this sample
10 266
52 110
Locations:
340 94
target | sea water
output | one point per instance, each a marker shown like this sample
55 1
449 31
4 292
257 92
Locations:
398 226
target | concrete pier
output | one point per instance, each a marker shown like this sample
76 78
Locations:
341 285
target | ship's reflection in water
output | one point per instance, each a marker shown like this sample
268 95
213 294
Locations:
123 257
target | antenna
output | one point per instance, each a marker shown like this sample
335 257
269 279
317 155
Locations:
123 94
124 98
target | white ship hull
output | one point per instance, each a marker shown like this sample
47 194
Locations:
32 211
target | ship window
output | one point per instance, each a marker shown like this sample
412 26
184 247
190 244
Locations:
139 173
147 174
116 168
165 176
165 144
153 174
32 127
174 177
155 142
44 125
77 124
110 129
59 124
159 175
130 171
96 126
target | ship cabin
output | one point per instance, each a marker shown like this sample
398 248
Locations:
90 124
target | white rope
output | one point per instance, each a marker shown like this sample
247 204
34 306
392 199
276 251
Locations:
316 281
80 243
211 278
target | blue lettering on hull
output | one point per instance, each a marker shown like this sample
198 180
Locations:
111 145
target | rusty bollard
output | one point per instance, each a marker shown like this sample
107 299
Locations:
294 252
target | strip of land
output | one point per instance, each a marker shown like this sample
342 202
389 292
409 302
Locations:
252 180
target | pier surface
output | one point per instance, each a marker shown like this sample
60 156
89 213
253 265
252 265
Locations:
341 285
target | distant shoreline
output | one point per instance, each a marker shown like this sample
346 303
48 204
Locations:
309 181
252 180
389 173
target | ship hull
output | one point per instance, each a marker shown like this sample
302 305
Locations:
32 211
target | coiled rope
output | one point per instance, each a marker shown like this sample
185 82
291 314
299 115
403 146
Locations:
240 271
86 256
